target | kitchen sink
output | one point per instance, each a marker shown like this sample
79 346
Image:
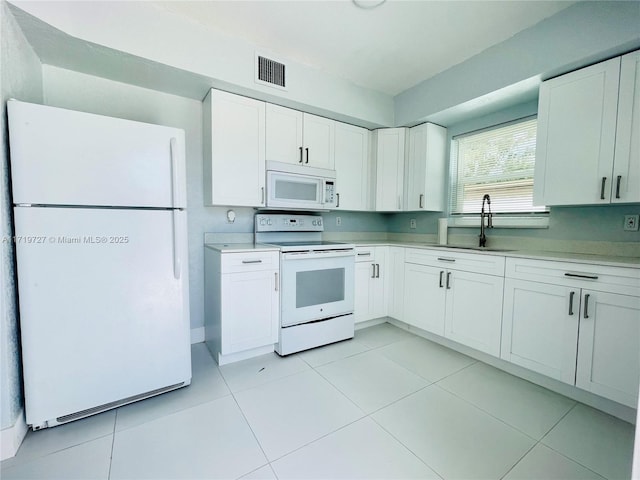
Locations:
475 249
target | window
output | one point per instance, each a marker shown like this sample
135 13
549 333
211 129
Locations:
498 161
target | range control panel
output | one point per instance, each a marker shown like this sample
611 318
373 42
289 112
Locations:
277 222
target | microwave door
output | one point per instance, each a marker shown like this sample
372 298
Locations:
294 191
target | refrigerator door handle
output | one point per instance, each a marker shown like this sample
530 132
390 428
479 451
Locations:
175 184
176 246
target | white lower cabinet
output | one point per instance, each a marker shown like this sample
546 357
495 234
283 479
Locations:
370 273
609 346
463 306
424 297
394 284
540 328
473 312
577 328
242 303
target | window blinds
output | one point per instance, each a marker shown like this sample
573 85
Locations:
498 161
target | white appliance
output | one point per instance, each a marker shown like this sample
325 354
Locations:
101 248
299 187
317 281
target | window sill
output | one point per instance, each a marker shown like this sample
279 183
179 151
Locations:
541 221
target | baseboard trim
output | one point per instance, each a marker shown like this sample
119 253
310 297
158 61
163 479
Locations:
197 335
11 438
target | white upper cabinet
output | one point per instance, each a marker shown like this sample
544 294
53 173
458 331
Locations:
352 167
587 145
234 150
426 168
390 158
626 168
300 138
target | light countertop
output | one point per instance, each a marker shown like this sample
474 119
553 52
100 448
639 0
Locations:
609 260
241 247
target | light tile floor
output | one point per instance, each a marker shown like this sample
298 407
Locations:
386 404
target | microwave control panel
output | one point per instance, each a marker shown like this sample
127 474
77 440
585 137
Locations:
329 193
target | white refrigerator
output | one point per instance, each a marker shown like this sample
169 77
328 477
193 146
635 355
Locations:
101 251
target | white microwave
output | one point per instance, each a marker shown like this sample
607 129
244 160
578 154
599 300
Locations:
298 187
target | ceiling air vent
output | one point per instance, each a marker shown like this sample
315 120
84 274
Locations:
270 72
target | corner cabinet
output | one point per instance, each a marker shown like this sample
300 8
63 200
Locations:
426 174
299 138
234 150
242 303
588 135
390 148
352 163
579 324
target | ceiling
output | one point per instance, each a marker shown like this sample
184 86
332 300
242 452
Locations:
389 48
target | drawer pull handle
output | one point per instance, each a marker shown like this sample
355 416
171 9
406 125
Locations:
365 254
441 274
571 295
579 275
445 259
251 261
586 306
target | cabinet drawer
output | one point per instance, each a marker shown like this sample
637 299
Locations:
250 261
469 262
365 254
579 275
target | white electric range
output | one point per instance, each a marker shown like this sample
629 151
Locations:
316 281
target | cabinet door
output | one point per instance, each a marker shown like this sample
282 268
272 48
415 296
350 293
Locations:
378 299
234 142
540 327
390 152
424 297
319 141
284 135
609 346
474 310
394 283
352 167
626 167
426 167
364 275
250 310
576 136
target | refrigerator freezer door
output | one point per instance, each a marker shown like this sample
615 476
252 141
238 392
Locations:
103 316
64 157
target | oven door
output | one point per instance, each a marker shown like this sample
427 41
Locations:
316 285
290 190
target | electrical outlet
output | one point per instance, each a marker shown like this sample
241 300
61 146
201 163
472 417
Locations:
412 223
338 221
631 223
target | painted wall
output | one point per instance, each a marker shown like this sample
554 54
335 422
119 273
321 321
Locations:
591 223
120 40
20 78
584 33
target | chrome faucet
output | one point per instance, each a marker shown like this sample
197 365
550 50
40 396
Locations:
489 216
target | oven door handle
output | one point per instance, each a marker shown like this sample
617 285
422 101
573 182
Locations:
316 255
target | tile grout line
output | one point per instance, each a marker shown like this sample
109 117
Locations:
113 441
405 446
247 422
561 453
